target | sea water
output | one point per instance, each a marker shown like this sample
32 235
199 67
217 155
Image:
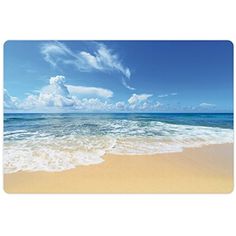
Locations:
56 142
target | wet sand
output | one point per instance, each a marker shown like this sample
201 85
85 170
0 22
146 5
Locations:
207 169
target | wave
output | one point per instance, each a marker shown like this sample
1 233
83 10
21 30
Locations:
54 154
9 119
45 151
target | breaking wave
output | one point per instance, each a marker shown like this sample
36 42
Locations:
57 147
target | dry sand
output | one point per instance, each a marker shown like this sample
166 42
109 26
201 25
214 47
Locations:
195 170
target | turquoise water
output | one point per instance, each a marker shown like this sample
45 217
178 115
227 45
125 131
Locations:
55 142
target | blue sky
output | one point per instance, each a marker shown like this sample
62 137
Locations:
118 76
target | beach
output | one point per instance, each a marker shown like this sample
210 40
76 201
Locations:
207 169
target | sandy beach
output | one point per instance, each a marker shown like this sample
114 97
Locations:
207 169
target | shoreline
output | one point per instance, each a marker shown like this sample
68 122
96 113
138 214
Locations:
207 169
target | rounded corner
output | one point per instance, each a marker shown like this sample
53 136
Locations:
6 43
230 43
231 190
5 190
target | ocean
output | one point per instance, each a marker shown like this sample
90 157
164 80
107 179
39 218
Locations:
56 142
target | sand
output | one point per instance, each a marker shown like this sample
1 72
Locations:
207 169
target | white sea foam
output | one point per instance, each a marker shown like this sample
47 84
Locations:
54 154
14 132
43 152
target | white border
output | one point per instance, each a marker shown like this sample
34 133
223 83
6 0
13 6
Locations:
117 214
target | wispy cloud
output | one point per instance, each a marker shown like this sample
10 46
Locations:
126 85
102 59
206 105
163 95
53 52
167 95
105 60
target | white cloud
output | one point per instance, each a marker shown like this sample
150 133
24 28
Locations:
55 94
144 106
148 106
9 101
102 59
207 105
58 95
52 51
166 95
138 98
91 61
101 92
163 95
120 105
105 59
92 104
126 85
139 101
157 105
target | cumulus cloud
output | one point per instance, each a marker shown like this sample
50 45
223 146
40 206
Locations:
9 101
101 59
57 94
157 105
92 104
101 92
138 98
120 106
